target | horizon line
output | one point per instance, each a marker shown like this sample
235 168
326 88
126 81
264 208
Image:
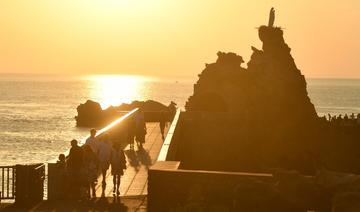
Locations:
147 75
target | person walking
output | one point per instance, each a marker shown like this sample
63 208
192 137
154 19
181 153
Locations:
130 133
93 142
162 123
140 128
90 170
104 157
74 165
118 164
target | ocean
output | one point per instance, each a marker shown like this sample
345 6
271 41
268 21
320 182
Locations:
37 111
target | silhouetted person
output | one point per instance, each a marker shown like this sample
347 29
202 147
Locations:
172 110
131 131
339 120
93 142
90 168
118 164
329 116
162 123
61 161
346 121
323 118
104 157
74 164
62 175
352 116
140 128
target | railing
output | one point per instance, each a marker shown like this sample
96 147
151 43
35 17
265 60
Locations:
168 149
29 183
7 186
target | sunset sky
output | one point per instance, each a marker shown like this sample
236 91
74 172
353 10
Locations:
172 37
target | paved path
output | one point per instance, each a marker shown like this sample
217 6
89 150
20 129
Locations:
134 180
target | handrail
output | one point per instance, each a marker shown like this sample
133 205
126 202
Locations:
38 167
169 137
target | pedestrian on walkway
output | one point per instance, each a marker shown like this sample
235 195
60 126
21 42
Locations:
90 170
118 165
130 133
104 156
162 123
140 128
93 142
74 165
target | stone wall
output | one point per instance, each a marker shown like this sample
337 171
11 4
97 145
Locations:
171 189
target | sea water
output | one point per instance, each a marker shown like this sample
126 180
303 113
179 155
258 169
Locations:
37 111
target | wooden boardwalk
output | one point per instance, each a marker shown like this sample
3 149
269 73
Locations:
134 180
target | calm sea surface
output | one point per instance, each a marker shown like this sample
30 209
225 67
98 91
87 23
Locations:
37 112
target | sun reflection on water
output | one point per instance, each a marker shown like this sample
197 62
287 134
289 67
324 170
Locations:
116 89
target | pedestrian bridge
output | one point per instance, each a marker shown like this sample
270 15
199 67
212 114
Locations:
139 160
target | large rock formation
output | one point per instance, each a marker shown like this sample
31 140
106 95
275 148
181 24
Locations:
260 117
272 84
271 113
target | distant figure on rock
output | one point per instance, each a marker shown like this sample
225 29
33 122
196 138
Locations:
352 116
271 17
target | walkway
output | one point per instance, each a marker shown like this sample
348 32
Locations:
134 180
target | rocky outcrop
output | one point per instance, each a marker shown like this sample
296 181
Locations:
90 114
272 84
260 117
271 114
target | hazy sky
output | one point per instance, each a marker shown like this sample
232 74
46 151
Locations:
172 37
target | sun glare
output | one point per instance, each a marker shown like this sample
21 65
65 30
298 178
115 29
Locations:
113 90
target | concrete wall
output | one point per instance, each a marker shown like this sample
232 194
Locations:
173 189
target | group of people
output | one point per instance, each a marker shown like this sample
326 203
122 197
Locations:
81 168
83 165
346 120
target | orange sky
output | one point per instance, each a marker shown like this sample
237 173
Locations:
171 37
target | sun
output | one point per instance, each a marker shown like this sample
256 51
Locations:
113 90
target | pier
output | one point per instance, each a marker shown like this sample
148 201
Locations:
134 182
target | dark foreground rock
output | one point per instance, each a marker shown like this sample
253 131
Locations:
90 114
